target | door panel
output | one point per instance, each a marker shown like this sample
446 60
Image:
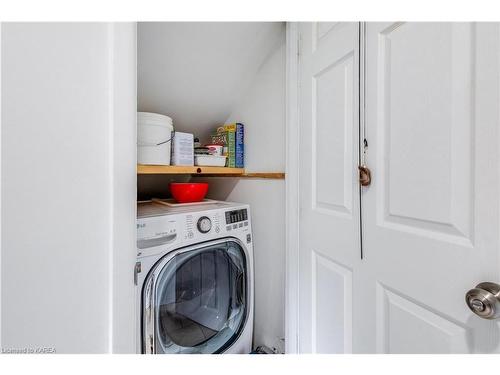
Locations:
431 215
329 193
429 331
320 30
425 129
332 135
331 317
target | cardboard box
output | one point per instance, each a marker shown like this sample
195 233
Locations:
182 149
236 146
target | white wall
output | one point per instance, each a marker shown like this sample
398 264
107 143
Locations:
195 72
262 110
68 186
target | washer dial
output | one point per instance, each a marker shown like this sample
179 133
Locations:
204 224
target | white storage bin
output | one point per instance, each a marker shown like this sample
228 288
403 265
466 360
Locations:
154 133
210 160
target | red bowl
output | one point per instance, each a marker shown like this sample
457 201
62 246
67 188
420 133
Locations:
188 192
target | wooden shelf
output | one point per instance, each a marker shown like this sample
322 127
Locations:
174 169
205 171
268 175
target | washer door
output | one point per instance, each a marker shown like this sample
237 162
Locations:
196 301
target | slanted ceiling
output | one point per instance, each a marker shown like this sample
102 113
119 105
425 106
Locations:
195 72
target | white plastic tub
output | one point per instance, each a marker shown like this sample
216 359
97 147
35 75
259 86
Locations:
154 133
210 160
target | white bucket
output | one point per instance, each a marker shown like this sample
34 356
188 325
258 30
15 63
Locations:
154 133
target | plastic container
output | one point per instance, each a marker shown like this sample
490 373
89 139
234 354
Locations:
210 160
188 192
215 149
154 134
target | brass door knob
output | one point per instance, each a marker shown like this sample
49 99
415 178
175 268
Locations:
484 300
365 175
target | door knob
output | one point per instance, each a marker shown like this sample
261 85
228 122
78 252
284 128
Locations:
365 175
484 300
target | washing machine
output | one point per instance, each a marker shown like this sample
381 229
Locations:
194 278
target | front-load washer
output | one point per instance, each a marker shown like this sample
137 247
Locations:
194 278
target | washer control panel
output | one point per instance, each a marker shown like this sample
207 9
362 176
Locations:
236 216
157 233
236 219
153 232
204 224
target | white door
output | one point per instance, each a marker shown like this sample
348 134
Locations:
329 195
431 216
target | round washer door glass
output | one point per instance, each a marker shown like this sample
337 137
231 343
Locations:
201 300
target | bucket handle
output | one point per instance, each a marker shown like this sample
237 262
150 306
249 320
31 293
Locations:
153 144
